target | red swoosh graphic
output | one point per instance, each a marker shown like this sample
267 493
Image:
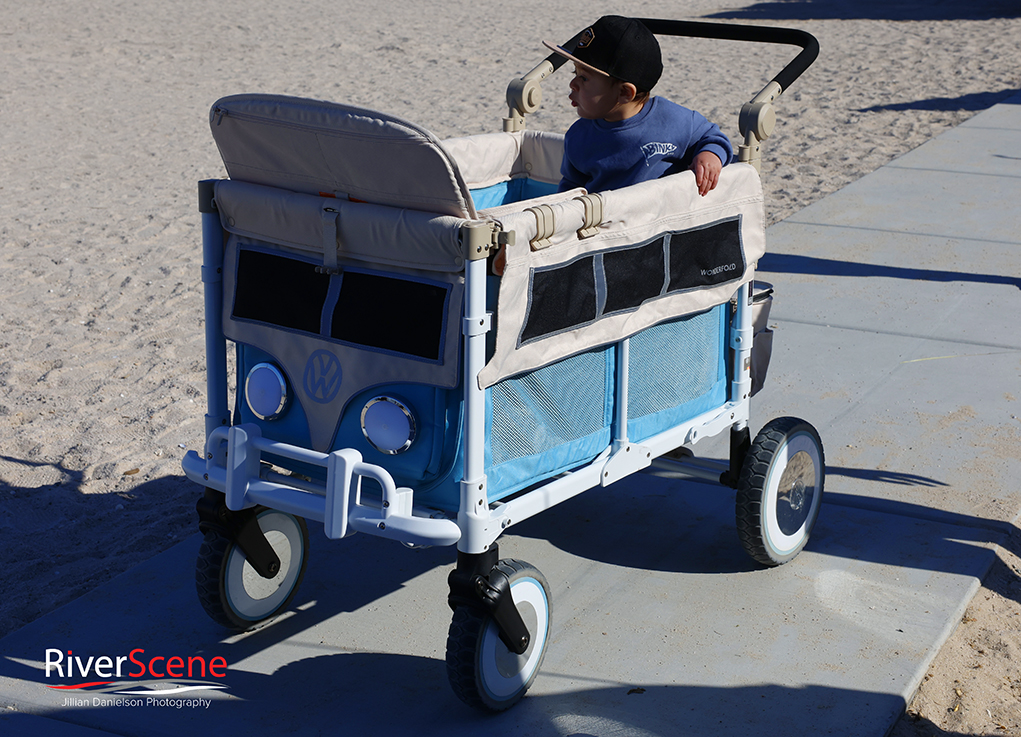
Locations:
82 685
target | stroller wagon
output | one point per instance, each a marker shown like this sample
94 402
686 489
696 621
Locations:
388 383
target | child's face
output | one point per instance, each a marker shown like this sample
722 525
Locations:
595 96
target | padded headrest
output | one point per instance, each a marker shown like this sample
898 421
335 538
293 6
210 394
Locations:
325 148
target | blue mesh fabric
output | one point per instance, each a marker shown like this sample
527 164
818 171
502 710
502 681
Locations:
559 416
674 363
546 408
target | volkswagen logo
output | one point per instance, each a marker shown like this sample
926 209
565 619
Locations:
322 377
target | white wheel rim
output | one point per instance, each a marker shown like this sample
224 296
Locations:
505 673
251 596
780 541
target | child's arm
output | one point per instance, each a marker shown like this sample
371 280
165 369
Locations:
714 152
707 167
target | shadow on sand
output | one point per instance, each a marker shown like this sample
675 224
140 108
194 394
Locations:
918 10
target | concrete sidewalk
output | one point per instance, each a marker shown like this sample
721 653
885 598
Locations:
896 335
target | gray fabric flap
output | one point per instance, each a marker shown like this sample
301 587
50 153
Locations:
364 232
661 251
313 147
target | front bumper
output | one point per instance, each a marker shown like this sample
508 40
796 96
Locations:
233 465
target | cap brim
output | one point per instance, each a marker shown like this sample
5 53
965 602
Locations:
563 52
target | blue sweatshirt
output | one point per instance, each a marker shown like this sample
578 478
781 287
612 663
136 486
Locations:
662 139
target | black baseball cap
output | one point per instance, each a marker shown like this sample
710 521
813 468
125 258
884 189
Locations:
618 47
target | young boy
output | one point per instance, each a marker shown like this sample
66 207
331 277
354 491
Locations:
625 135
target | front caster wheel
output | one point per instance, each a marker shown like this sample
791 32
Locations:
232 592
483 672
780 490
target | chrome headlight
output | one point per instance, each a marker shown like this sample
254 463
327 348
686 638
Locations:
388 425
266 391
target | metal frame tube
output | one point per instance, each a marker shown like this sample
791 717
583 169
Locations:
474 358
474 517
741 342
623 362
703 469
217 410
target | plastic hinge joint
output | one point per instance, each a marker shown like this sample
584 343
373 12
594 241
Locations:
480 238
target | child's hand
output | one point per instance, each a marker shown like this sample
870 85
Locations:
707 167
500 262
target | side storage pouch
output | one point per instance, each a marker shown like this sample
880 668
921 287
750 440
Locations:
762 336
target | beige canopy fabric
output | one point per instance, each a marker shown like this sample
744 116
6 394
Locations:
491 158
355 184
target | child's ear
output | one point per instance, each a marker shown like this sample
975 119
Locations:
627 93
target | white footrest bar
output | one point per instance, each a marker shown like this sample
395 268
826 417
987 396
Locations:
284 498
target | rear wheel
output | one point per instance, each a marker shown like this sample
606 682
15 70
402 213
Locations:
779 491
483 672
231 591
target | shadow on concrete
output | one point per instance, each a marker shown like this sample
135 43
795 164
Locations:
974 102
887 477
51 531
956 536
917 10
644 523
690 527
649 523
791 264
396 695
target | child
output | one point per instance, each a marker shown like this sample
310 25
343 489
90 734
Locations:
625 135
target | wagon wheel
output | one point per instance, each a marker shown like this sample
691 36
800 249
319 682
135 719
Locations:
483 672
231 591
779 491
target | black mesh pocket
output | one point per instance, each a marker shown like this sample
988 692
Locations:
633 276
560 298
575 294
391 314
705 257
280 291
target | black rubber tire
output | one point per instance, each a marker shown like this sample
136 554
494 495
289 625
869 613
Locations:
230 590
483 672
780 489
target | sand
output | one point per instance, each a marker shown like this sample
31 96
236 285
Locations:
104 133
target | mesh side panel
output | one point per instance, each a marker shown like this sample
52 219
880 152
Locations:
674 362
548 407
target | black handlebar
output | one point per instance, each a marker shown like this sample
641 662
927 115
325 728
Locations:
524 94
763 34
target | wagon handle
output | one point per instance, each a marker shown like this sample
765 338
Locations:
757 119
761 34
